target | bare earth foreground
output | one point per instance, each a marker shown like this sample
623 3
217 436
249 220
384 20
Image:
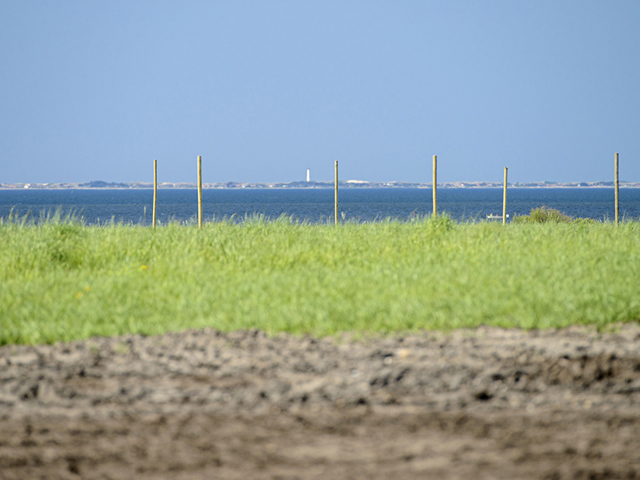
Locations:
481 404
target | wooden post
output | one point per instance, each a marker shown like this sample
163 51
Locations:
155 191
199 191
617 192
336 194
504 198
435 185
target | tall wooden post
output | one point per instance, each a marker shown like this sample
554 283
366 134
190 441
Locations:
504 198
199 191
155 191
336 194
617 192
435 185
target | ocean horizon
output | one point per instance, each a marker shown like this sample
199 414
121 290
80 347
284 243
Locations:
314 205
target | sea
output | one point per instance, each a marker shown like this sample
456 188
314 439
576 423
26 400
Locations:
132 206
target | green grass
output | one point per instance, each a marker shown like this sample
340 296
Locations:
62 280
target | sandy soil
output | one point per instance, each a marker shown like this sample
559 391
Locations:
482 404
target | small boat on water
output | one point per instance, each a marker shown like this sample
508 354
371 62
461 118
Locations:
491 216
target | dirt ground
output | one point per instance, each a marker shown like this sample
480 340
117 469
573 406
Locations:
481 404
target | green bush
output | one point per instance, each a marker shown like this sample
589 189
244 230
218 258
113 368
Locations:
549 215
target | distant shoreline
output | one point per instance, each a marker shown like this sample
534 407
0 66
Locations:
100 185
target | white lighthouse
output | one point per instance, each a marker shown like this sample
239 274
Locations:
308 175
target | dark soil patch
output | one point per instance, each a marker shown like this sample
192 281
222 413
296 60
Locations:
486 403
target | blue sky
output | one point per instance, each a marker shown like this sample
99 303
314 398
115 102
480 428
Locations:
263 90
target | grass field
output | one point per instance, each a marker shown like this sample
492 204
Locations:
63 280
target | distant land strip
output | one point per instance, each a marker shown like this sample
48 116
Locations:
98 184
